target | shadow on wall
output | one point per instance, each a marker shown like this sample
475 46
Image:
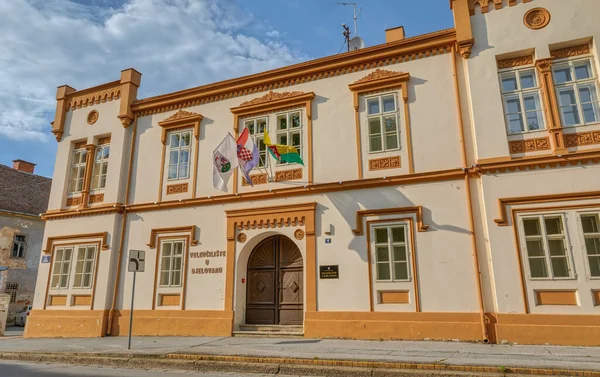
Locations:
479 27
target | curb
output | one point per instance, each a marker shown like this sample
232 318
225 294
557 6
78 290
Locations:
285 366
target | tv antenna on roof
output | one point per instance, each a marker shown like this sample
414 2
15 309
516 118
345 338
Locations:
357 43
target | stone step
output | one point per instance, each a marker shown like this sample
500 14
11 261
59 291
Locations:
268 334
272 328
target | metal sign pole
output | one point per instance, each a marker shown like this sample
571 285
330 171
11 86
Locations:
131 311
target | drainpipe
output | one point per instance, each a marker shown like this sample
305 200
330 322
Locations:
123 226
484 330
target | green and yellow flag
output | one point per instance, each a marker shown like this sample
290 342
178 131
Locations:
283 153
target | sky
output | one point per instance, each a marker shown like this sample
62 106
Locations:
175 44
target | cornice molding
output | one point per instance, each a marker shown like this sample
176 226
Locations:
86 98
271 96
378 74
50 242
191 229
417 211
373 57
485 5
515 62
96 210
180 119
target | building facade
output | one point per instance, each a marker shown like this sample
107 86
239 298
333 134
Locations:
450 190
23 198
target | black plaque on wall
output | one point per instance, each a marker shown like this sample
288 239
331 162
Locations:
329 272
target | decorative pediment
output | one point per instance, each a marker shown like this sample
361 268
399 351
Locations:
378 74
271 96
181 119
181 114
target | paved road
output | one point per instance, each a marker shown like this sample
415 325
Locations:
20 369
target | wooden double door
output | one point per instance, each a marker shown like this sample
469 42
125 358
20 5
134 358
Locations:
275 289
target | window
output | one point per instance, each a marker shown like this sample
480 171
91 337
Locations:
546 248
591 234
171 263
77 171
12 289
289 130
577 92
84 267
179 154
100 167
19 244
521 98
256 129
391 254
382 120
62 268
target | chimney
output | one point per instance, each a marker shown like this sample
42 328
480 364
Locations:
394 34
25 166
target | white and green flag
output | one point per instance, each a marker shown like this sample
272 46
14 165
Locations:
225 161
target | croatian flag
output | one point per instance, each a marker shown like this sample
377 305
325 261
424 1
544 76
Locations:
247 154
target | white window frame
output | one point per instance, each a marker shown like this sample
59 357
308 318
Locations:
575 84
171 257
60 273
583 238
520 93
382 115
179 149
91 262
100 161
79 167
546 247
390 244
289 131
258 136
20 245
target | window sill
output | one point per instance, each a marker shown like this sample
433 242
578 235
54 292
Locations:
527 132
386 151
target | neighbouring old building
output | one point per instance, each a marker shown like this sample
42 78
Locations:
23 198
450 190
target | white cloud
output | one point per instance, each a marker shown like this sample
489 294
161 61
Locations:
176 44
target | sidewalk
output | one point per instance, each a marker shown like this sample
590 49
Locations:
439 353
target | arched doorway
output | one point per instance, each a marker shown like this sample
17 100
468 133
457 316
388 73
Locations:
275 289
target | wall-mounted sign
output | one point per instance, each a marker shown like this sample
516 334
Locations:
327 240
45 258
329 272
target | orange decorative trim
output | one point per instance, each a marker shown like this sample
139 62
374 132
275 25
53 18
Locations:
277 216
177 189
182 229
97 210
544 67
257 179
104 140
390 53
95 95
394 297
299 234
82 300
269 97
87 181
155 293
384 163
530 145
485 5
288 175
96 198
79 145
569 52
556 298
56 300
537 18
515 62
503 164
242 237
169 299
73 201
503 203
417 211
51 240
378 74
92 117
583 138
596 296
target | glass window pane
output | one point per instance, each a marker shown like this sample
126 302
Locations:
173 157
553 225
64 282
594 266
184 156
164 278
98 154
262 124
389 104
185 139
68 253
167 249
106 153
538 268
592 245
560 267
509 82
177 264
570 115
390 124
398 234
382 254
183 170
178 248
295 119
173 172
282 122
77 282
531 101
296 139
176 278
250 126
166 264
381 235
79 267
515 123
583 70
590 112
282 139
87 281
532 227
375 126
528 79
54 283
587 93
375 144
174 143
401 271
513 105
535 248
534 120
399 253
562 74
557 247
383 271
590 224
391 141
373 106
